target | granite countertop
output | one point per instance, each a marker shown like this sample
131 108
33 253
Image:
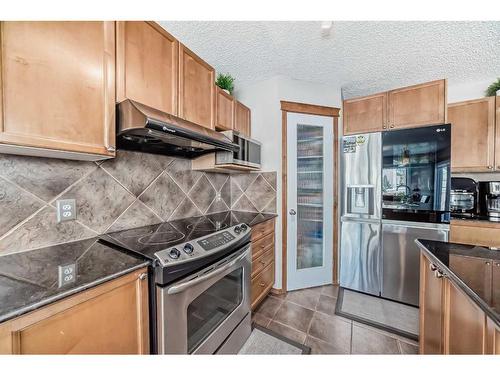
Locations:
460 263
29 280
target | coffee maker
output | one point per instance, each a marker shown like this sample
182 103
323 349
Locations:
463 197
489 194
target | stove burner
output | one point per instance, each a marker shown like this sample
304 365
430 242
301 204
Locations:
208 226
161 238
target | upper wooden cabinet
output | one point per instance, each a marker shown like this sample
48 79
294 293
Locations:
57 89
224 114
473 135
196 89
242 120
366 114
423 104
407 107
497 135
146 65
111 318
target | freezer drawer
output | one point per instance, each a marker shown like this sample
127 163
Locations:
401 257
359 256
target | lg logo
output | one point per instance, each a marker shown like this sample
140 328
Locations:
439 130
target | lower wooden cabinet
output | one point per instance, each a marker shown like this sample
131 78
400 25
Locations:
111 318
450 322
475 232
262 261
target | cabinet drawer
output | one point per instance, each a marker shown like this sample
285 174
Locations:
260 230
259 246
261 284
262 261
482 234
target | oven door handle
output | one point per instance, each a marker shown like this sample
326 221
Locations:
182 287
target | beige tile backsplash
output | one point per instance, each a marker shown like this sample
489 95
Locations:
132 190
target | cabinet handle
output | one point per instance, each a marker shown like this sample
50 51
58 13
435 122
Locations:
439 274
392 126
262 283
111 149
487 263
497 264
432 267
262 262
490 167
384 126
143 276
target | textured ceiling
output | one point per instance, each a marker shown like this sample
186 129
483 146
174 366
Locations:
361 57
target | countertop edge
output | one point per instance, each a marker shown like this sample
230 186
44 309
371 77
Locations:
26 309
461 285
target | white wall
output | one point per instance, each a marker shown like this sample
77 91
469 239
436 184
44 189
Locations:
264 100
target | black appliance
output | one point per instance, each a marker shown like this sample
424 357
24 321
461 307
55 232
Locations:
464 197
201 283
416 174
145 129
489 200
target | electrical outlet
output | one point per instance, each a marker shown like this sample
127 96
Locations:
66 210
67 274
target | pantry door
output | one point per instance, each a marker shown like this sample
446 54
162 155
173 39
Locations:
310 167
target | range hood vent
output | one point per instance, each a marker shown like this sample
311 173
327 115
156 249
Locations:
145 129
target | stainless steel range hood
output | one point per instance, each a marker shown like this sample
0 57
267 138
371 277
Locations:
145 129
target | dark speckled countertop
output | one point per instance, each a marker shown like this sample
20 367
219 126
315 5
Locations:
29 280
463 264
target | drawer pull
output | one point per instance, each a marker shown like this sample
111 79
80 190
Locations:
262 283
262 246
439 274
433 267
262 262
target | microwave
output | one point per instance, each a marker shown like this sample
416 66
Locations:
249 154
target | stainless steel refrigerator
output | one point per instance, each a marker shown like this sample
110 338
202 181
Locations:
361 225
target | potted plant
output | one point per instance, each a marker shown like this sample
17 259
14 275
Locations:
225 82
494 88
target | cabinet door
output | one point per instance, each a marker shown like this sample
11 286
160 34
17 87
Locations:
224 114
57 88
366 114
196 89
472 135
492 339
495 295
418 105
242 119
146 65
480 233
431 309
464 323
475 272
497 134
109 319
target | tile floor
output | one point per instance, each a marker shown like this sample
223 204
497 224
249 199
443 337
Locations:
308 316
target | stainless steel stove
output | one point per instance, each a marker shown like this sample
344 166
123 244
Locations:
201 283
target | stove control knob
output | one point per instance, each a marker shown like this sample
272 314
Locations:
188 248
237 230
243 227
174 253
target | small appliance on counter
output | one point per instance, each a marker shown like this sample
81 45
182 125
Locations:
489 199
464 197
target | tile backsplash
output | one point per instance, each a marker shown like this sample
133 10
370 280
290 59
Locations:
134 189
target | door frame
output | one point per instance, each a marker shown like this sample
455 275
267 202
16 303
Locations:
309 109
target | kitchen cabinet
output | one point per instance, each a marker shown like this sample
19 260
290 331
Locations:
431 308
495 280
492 344
366 114
417 105
224 113
475 272
473 135
242 119
262 261
497 133
111 318
406 107
475 232
196 89
146 65
464 323
57 89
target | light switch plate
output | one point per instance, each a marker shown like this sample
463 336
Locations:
66 209
67 274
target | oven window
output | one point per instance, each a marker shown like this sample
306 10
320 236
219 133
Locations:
212 307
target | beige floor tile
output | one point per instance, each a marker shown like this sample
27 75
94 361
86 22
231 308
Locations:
330 290
269 306
322 347
305 298
288 332
333 330
368 341
326 305
260 319
293 315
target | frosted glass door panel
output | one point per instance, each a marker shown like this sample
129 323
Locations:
309 200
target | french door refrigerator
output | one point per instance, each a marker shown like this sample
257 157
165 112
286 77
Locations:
360 165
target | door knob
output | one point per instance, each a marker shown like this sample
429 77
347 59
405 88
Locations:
292 212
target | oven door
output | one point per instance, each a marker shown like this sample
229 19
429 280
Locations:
197 314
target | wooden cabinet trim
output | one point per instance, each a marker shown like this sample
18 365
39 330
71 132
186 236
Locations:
497 135
310 109
360 126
